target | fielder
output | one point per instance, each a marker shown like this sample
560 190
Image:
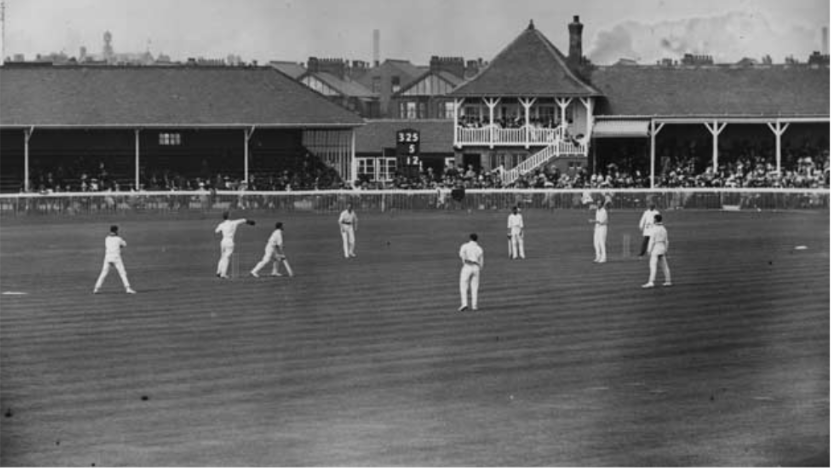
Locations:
658 247
113 244
473 261
348 221
515 234
274 251
646 225
600 239
227 228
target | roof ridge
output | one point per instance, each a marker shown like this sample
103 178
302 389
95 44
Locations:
562 61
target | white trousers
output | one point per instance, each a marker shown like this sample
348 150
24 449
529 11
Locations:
267 257
348 237
119 265
227 249
517 248
469 277
601 243
656 259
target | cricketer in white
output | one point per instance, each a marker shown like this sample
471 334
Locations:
227 228
657 248
600 238
473 260
348 221
515 234
646 226
274 251
112 255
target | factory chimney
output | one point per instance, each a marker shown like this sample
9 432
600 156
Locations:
376 46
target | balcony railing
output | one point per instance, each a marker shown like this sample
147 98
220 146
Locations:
525 136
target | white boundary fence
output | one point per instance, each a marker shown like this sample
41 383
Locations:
386 200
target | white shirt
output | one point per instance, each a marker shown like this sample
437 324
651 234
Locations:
647 220
275 240
228 228
515 223
348 218
471 253
659 243
112 246
601 218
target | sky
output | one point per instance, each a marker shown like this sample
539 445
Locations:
264 30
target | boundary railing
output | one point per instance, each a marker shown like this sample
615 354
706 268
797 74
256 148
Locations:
386 200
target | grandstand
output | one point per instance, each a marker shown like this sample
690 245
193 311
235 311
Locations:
137 121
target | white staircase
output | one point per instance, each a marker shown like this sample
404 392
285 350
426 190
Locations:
554 150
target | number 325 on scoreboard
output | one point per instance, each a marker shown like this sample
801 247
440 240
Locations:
407 142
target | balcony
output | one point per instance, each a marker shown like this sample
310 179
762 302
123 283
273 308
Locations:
525 136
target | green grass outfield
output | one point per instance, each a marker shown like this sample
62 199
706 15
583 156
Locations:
368 363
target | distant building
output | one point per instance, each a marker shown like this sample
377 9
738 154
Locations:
388 78
426 97
330 77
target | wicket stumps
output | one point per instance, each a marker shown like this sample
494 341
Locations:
625 246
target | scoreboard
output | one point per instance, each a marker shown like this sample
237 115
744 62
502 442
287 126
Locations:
407 151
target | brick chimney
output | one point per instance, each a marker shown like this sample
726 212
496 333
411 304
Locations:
312 65
453 65
576 50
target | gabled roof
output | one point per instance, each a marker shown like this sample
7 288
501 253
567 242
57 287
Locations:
346 88
406 71
437 135
714 91
293 69
431 77
162 96
529 66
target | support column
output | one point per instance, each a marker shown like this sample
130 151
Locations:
715 129
491 103
654 130
27 134
457 106
589 104
137 175
247 133
354 162
563 103
779 128
527 105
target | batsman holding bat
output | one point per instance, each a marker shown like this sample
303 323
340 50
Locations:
274 251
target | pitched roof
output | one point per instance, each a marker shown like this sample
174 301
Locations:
449 78
344 87
162 97
529 66
436 135
713 91
293 69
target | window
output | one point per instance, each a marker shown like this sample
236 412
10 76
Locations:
376 85
387 169
170 139
410 110
367 167
449 110
396 84
423 111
